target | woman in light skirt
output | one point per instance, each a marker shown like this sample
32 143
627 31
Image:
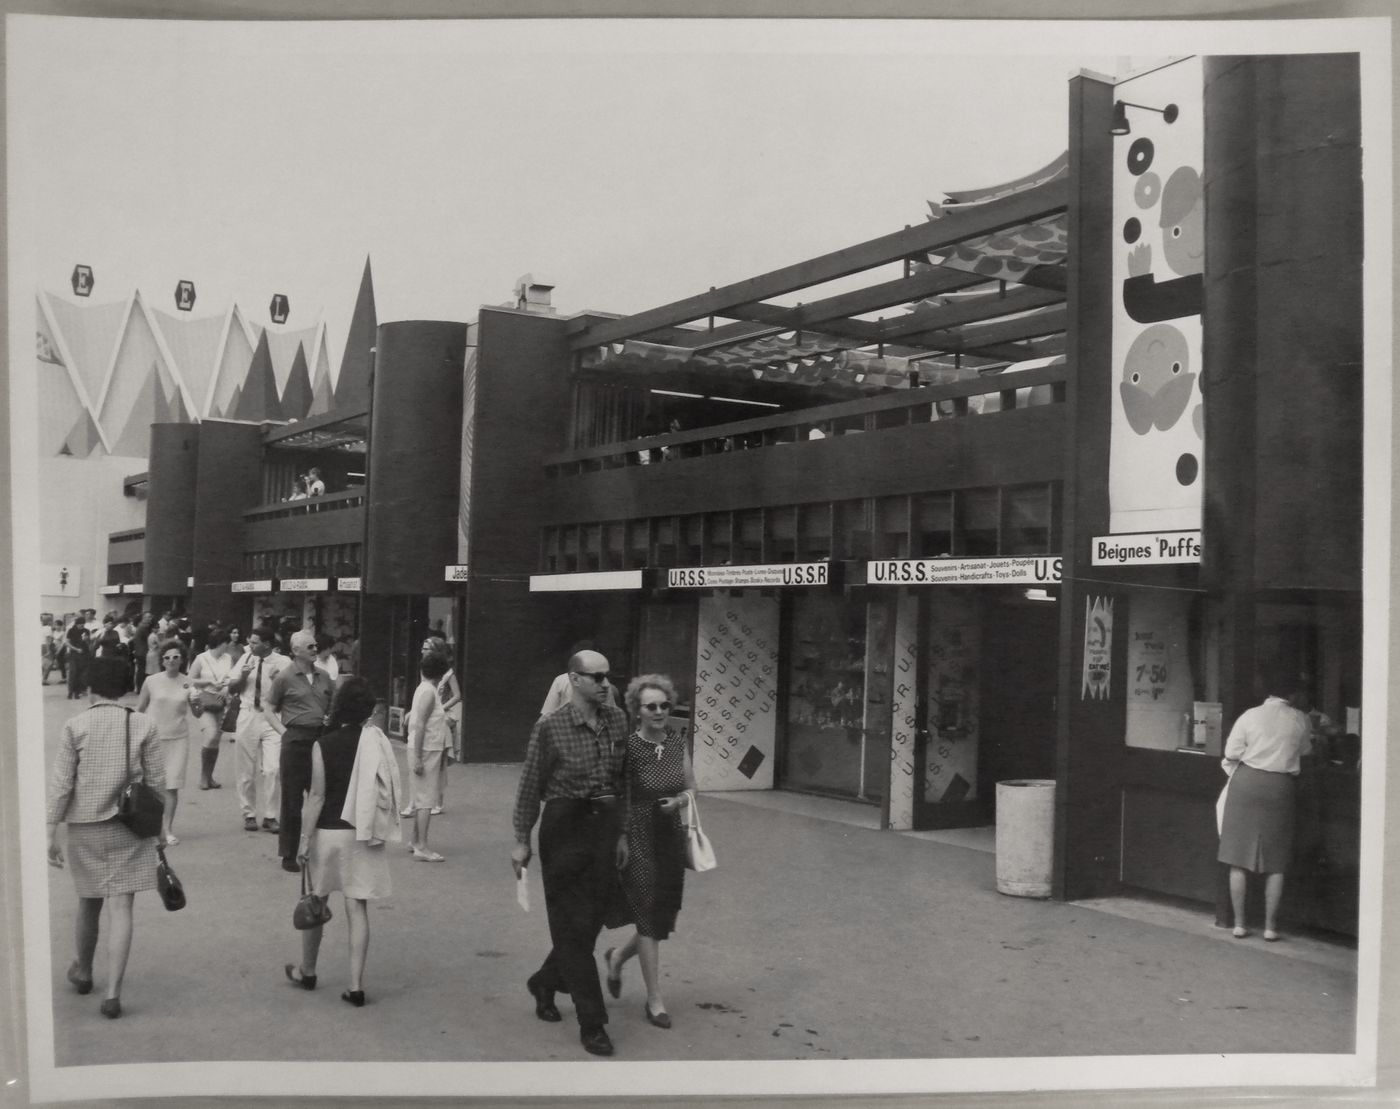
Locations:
1262 759
107 860
167 696
339 854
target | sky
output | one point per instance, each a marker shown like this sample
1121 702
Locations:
627 168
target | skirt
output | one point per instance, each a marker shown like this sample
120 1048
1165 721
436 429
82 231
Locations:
1256 832
177 753
426 792
107 858
339 861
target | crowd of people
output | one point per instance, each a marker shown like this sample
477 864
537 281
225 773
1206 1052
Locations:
608 786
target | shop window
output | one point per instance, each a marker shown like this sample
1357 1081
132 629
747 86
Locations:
1026 528
826 696
814 532
933 521
977 516
782 534
549 550
721 544
891 528
748 537
1161 689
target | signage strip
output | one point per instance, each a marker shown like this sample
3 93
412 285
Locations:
1043 570
303 585
454 573
585 582
751 577
133 587
261 585
347 585
1146 548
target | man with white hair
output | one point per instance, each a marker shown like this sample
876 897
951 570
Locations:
300 700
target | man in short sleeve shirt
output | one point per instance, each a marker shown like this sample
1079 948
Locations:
301 697
573 765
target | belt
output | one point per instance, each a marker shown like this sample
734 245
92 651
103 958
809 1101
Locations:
605 802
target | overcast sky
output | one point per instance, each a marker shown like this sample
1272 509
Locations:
626 163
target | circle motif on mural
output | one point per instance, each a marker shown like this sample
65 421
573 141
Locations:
1187 469
1148 190
1140 157
1131 230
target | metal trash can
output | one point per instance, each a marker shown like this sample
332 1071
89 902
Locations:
1025 836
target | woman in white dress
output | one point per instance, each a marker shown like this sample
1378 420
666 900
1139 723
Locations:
209 677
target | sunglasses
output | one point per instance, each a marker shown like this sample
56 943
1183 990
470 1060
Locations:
167 658
658 706
599 676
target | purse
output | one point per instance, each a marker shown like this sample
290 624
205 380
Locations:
171 889
311 911
229 723
139 807
699 852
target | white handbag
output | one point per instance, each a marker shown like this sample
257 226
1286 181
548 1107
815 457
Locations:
699 854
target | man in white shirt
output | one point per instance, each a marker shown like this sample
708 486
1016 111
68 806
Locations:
325 657
258 745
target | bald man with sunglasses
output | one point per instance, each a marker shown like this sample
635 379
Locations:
573 766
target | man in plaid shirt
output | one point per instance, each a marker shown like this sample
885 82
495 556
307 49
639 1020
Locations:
573 765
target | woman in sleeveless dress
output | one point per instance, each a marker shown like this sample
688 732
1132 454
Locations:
209 674
658 775
165 698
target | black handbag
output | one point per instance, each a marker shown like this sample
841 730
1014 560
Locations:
139 807
171 889
311 911
229 722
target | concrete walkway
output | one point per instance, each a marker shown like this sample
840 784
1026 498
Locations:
815 939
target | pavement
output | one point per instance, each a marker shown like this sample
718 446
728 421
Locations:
818 937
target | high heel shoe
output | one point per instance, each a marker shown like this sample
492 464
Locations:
661 1019
297 978
79 983
614 980
355 997
111 1008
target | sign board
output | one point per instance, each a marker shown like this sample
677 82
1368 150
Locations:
347 585
1098 648
964 571
133 587
454 573
1146 548
189 583
585 582
61 580
303 585
263 585
740 577
109 590
82 280
184 296
279 308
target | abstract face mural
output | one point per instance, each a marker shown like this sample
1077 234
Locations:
1158 265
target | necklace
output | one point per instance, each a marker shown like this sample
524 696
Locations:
660 747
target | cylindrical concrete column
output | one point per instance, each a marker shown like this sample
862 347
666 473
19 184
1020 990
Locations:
415 456
173 468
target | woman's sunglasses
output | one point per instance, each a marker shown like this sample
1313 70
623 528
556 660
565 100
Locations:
658 706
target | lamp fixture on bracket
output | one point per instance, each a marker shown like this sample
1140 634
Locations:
1119 126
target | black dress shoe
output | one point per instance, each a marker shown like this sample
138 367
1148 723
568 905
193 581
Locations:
297 978
250 824
290 866
354 997
595 1040
271 825
545 1008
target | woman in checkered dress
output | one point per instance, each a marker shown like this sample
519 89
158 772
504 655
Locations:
658 775
108 862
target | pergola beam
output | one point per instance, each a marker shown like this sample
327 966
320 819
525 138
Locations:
971 310
936 235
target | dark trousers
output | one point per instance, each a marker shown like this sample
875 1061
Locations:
77 673
294 767
578 842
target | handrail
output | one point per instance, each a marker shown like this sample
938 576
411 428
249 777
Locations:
801 417
126 536
327 502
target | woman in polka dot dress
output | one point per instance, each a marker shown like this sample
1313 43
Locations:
658 774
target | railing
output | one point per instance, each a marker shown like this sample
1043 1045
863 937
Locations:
327 502
130 535
928 404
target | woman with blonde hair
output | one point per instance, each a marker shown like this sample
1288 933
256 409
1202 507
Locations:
660 783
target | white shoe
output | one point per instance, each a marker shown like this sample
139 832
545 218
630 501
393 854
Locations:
436 810
421 856
405 812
